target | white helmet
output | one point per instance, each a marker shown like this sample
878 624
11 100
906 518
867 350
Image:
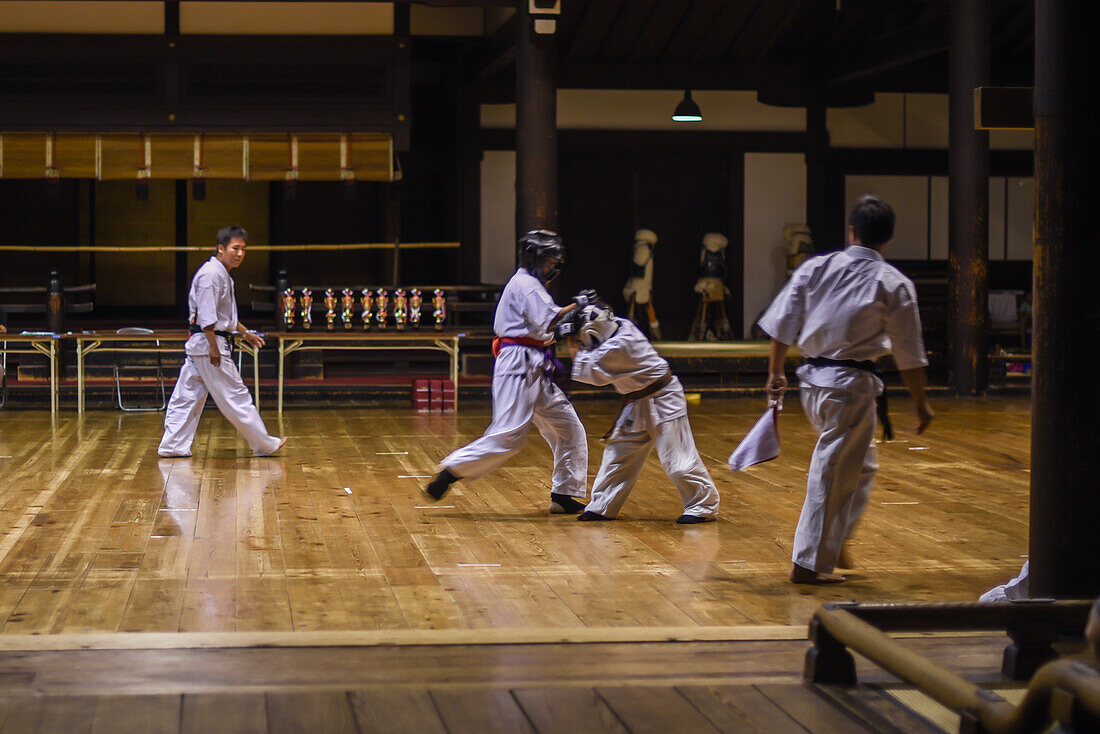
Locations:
595 325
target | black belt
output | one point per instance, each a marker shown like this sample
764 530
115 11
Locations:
196 329
881 401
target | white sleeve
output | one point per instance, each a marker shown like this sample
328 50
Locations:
904 329
783 319
206 302
539 308
587 366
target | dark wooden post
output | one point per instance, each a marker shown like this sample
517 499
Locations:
1065 433
536 128
817 155
968 210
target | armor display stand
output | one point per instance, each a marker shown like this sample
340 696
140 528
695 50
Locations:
711 321
638 290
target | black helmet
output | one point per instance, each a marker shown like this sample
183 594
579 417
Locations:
537 246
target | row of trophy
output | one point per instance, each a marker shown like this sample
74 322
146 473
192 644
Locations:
374 308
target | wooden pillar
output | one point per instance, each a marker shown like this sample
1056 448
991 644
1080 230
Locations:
181 239
536 128
968 209
817 157
1065 434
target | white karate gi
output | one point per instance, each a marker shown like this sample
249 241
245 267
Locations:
846 305
524 394
211 301
627 361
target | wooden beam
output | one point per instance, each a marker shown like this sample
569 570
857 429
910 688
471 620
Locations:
1003 108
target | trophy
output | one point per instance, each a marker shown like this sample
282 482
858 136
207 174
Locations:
307 308
365 301
400 308
330 306
347 303
415 301
439 303
381 303
288 308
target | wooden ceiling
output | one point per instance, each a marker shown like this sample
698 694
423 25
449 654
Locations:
788 49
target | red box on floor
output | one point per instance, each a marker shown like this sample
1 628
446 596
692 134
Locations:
421 396
436 395
448 396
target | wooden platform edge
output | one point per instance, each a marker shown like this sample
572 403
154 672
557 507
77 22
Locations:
369 638
409 638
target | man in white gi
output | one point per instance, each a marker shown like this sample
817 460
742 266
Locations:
524 391
844 310
208 367
613 351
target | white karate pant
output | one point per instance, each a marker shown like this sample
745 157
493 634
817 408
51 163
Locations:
625 456
197 379
518 401
842 470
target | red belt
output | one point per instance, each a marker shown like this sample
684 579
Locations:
505 341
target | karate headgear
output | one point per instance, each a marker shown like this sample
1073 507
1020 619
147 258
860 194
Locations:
535 247
596 324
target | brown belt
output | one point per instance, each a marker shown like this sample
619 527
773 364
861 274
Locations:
630 397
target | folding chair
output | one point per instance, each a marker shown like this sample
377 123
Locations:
159 374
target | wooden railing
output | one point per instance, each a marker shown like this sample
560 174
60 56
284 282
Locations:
1064 691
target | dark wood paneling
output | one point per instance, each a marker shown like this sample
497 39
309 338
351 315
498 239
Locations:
605 197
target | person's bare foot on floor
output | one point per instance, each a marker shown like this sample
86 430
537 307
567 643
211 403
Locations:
800 575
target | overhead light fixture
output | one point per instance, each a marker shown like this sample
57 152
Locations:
687 110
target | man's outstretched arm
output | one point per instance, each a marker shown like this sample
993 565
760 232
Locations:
914 382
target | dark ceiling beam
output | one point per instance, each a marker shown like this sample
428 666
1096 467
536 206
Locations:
496 52
661 28
625 75
890 52
622 37
598 19
718 40
770 24
685 41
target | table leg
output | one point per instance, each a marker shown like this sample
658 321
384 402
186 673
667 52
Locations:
53 377
282 345
454 369
79 377
256 375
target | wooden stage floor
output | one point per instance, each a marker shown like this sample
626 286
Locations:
320 590
101 535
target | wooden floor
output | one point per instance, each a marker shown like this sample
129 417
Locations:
660 687
321 591
101 535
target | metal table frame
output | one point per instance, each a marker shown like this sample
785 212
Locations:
94 342
364 342
39 344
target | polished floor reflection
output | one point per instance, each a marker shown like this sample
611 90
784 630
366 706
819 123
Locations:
101 535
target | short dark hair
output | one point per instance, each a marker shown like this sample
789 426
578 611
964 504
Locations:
232 232
872 219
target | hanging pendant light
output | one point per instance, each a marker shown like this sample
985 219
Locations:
687 110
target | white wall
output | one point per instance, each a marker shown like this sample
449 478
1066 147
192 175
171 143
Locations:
908 195
498 215
775 196
907 121
624 109
83 17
